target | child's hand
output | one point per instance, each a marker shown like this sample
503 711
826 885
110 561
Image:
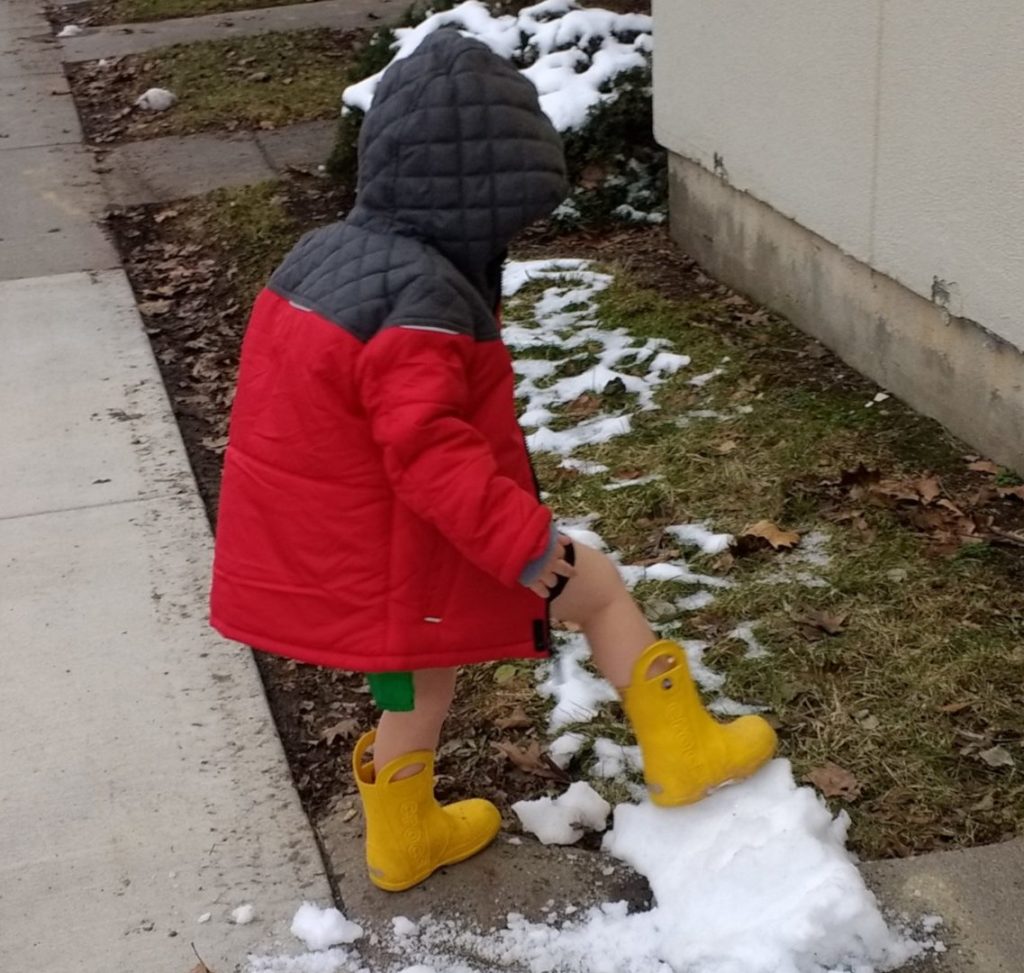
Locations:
554 567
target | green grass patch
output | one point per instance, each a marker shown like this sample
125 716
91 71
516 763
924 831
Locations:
136 11
262 82
925 676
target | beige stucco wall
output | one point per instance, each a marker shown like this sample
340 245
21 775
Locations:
891 128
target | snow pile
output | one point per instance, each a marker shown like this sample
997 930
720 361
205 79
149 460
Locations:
156 99
322 928
754 879
570 54
243 915
565 329
562 820
70 30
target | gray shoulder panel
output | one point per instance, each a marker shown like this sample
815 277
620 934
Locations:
363 280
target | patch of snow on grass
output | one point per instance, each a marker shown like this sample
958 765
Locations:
564 322
698 535
577 692
744 632
613 760
564 748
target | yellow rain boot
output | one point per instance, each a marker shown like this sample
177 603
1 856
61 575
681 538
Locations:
686 752
408 834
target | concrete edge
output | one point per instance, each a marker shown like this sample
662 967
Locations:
948 368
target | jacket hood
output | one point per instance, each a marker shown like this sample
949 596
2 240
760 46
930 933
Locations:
456 151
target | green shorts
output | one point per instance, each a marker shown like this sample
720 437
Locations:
392 691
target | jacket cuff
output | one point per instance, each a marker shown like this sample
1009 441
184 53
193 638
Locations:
532 570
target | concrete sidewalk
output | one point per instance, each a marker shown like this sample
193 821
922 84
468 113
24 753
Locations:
142 782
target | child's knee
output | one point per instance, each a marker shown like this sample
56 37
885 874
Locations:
434 689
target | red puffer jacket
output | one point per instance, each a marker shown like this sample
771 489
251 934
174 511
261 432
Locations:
378 508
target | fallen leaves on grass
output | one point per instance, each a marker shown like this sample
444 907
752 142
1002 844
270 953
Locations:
997 757
516 720
531 760
814 622
984 466
833 781
765 530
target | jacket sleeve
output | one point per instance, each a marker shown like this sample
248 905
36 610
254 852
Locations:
414 387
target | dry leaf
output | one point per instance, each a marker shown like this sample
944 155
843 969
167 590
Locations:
958 707
997 757
929 488
530 760
342 730
774 535
827 622
984 466
833 781
200 967
154 307
586 405
1011 491
727 447
986 803
516 720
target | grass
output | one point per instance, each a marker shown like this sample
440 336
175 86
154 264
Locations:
135 11
928 671
254 223
256 82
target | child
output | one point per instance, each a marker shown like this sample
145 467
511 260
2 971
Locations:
378 511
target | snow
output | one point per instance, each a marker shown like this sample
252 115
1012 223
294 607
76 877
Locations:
403 926
570 54
698 535
614 760
583 466
563 820
633 215
331 961
744 632
638 481
577 692
205 917
243 915
564 748
694 602
156 99
71 30
322 928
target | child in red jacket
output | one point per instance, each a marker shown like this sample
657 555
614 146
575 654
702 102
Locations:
378 511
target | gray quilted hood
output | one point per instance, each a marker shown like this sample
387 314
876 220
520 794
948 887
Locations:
456 148
455 158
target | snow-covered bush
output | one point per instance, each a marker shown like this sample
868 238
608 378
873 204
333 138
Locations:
592 69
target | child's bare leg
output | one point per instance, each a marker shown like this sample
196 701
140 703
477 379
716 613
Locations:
420 728
597 600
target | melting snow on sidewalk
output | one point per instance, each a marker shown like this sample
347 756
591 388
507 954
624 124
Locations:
756 878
